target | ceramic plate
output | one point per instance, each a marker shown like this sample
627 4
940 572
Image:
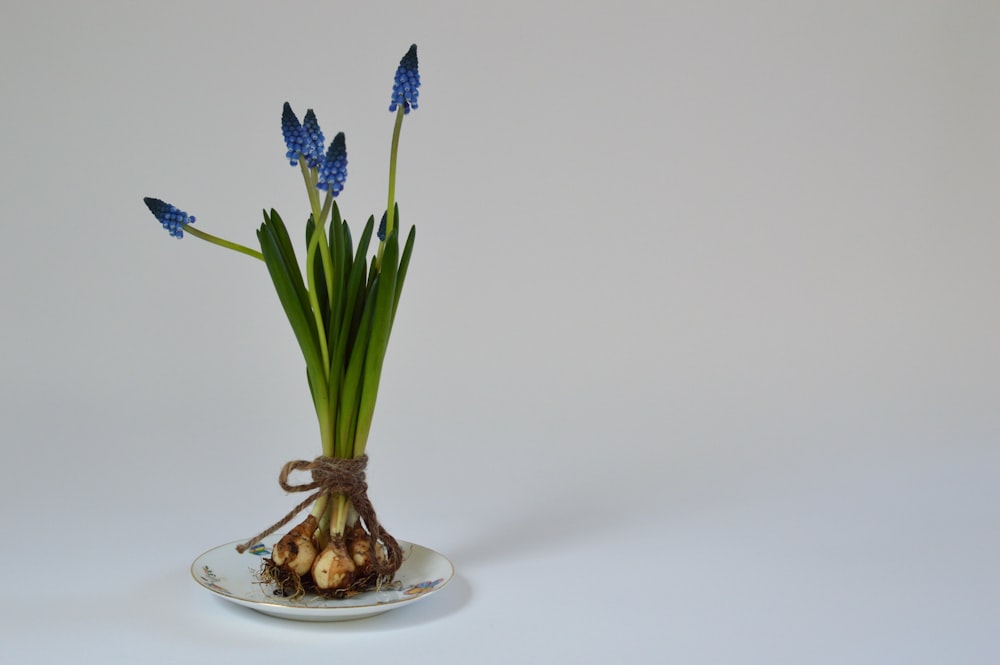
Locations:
228 573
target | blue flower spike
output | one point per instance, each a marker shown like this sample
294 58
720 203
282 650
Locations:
173 220
406 86
381 229
312 138
291 130
333 171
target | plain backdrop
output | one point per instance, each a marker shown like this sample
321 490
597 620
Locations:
698 360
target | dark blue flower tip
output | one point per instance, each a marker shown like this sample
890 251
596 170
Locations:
406 85
173 220
381 229
291 130
312 137
332 172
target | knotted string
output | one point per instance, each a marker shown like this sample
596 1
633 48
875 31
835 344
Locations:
333 475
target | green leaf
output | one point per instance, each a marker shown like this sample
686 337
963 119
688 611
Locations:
357 287
348 247
404 264
341 270
355 295
279 256
319 274
354 376
379 339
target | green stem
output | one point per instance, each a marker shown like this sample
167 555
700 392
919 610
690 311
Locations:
314 304
325 427
327 204
341 509
324 246
319 508
309 175
323 411
223 243
319 214
390 208
326 411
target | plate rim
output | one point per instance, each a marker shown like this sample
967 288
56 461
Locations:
289 608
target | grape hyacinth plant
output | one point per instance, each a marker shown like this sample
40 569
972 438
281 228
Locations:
341 304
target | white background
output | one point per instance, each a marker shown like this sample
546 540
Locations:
698 360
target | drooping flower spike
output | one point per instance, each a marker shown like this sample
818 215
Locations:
333 171
406 86
177 221
173 220
291 130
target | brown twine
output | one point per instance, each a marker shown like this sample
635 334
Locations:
333 475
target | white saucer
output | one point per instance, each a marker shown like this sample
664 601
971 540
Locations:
224 571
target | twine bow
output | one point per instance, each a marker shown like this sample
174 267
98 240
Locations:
333 475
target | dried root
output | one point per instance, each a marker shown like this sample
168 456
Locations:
285 582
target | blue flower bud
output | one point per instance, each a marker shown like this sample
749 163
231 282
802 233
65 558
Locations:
333 171
312 137
291 130
173 220
406 86
381 229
